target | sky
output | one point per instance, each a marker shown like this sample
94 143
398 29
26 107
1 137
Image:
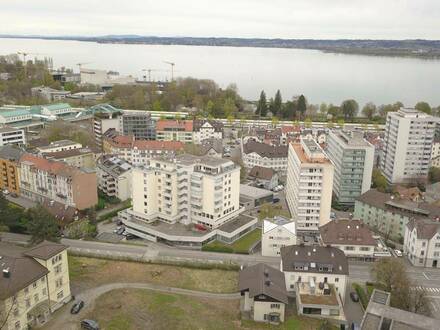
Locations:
318 19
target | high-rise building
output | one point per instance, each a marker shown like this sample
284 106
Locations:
187 189
406 155
353 158
309 185
139 124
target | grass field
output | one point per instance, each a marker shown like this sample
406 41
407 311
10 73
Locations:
89 272
241 245
144 309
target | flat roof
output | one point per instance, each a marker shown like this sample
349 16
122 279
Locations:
254 192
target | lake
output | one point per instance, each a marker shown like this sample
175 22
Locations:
321 77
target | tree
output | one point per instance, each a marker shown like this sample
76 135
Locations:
262 105
379 181
424 107
277 103
302 105
369 110
323 108
390 275
41 225
289 110
349 109
434 174
11 216
333 110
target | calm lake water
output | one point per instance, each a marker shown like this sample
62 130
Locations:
322 77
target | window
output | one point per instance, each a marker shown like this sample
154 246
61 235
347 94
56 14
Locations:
34 285
44 291
275 306
16 311
60 295
59 282
336 279
17 325
28 302
58 269
36 298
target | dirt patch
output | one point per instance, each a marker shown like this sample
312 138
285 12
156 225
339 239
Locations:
88 272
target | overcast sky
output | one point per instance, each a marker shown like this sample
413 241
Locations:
327 19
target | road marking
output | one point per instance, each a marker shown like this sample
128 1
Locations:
426 276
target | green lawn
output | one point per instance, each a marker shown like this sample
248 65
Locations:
241 245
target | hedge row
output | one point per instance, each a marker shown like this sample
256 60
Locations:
217 248
362 295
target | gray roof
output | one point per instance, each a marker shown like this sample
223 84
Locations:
265 150
379 315
113 165
210 161
11 153
6 129
254 192
346 231
260 172
262 279
45 250
314 259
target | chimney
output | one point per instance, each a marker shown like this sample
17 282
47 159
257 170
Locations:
6 273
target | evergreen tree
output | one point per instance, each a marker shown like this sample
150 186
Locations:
262 105
42 225
302 105
277 103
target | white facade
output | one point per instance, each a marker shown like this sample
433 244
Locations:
206 131
422 244
406 155
187 190
101 125
252 159
61 145
114 177
309 185
277 233
9 135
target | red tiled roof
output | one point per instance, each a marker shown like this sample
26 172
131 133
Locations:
158 145
163 124
290 129
48 165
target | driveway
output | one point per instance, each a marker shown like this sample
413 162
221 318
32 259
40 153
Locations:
352 310
62 319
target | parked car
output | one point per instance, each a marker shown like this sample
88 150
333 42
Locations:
275 200
89 325
332 215
5 192
355 326
398 253
130 236
119 223
77 307
354 296
14 195
120 231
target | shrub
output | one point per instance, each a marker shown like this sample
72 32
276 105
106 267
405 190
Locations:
391 245
362 295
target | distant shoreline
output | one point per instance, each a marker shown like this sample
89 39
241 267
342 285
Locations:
422 49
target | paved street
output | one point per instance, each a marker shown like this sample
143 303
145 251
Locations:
22 201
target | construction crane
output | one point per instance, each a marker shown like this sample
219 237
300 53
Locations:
81 64
172 68
149 73
26 54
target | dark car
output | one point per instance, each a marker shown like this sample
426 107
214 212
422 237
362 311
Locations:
354 296
77 307
14 195
120 231
275 200
130 236
119 223
89 324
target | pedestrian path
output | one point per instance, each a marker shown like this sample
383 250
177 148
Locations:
426 289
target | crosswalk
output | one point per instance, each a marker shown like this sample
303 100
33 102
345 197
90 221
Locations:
426 289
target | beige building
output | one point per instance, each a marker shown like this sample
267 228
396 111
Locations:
42 179
34 283
265 155
309 185
263 293
204 129
277 232
79 157
175 130
187 189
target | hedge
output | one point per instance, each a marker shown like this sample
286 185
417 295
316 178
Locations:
217 248
362 295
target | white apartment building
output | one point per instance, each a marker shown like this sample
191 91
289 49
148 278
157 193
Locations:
435 153
309 185
317 264
102 122
175 130
422 243
186 190
277 232
207 129
10 135
353 158
61 145
265 155
406 155
114 177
